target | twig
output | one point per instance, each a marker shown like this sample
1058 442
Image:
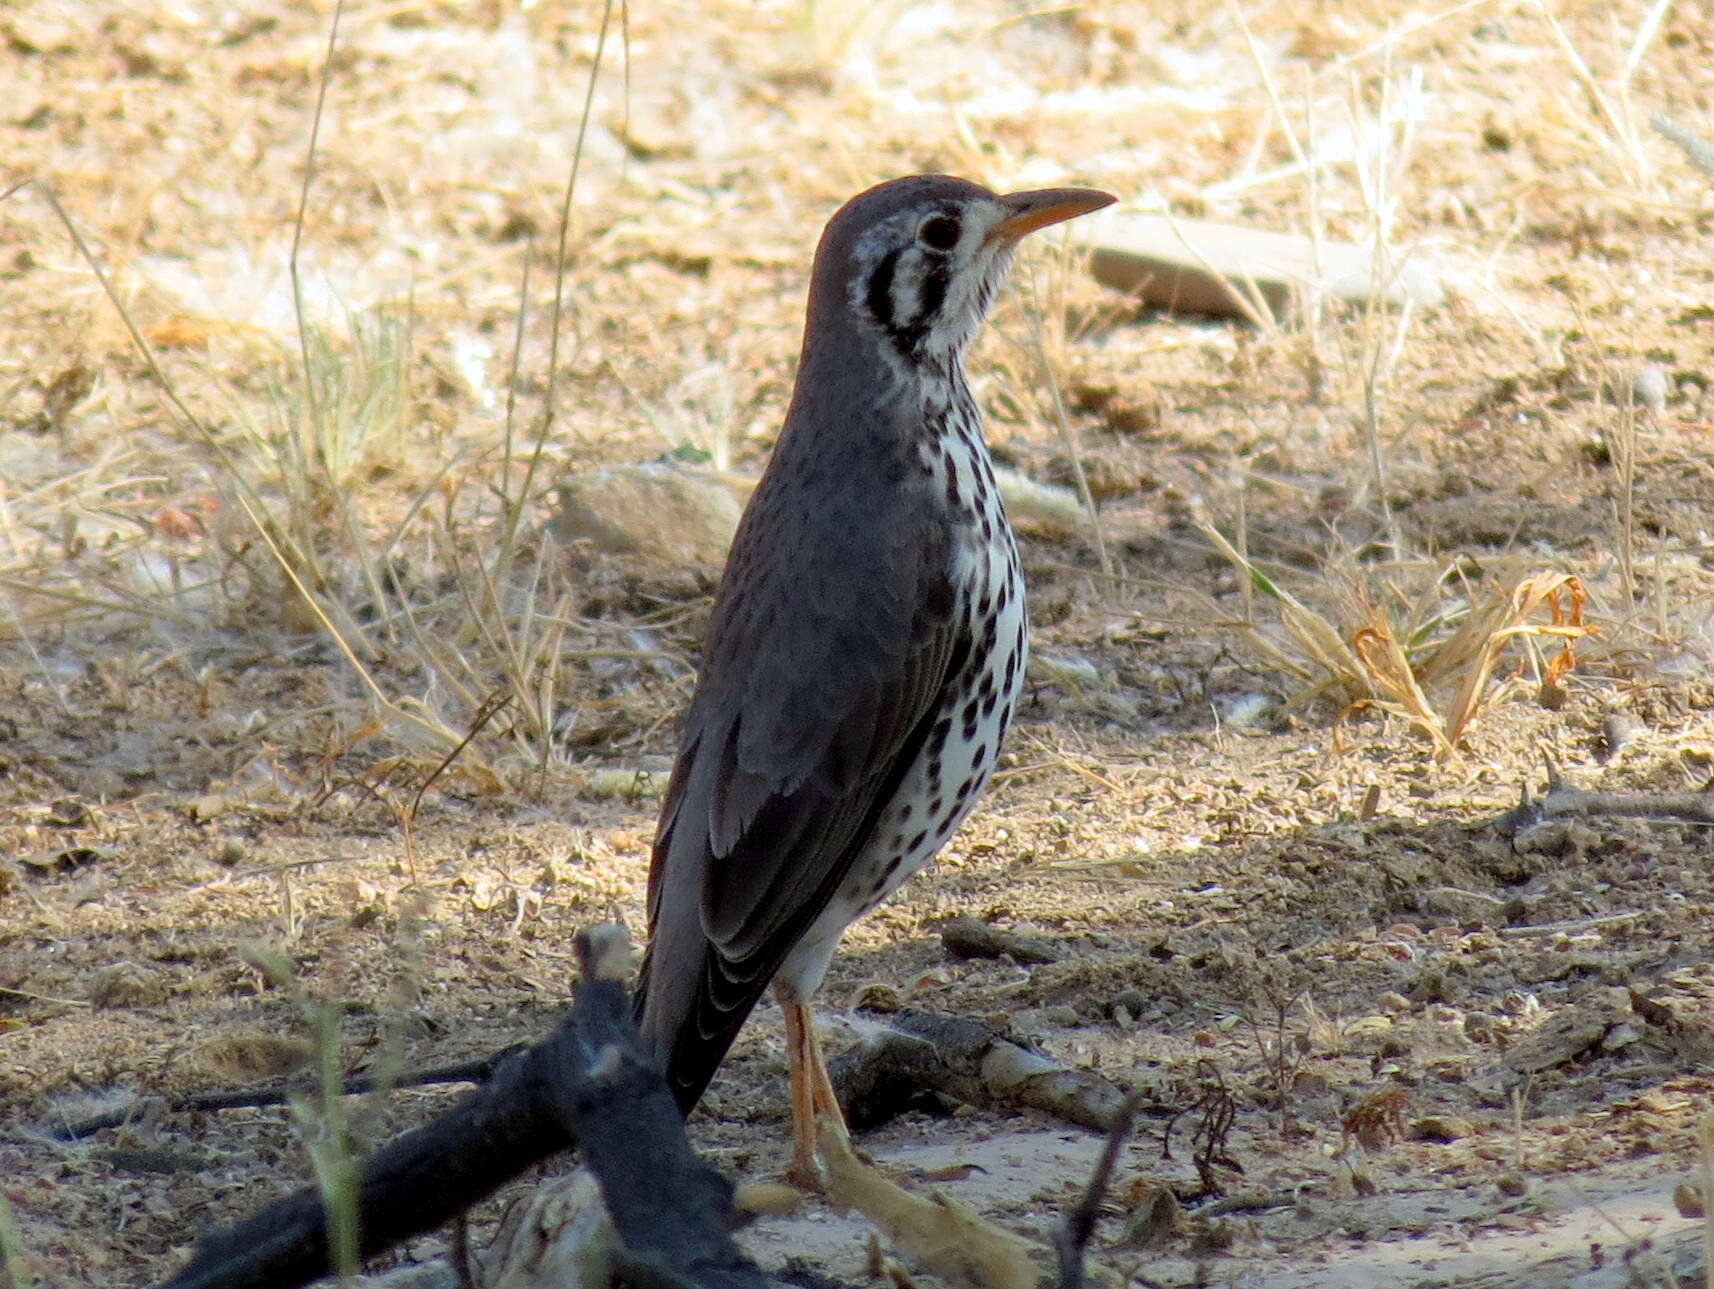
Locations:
1562 802
479 1071
1574 926
1071 1240
1697 150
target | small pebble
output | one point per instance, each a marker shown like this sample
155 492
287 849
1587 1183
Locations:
1617 729
1442 1128
1651 386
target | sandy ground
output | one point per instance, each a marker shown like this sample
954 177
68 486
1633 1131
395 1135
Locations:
1260 886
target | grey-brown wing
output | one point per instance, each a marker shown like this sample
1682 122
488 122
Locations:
827 660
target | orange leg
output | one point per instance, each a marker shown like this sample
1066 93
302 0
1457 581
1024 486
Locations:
812 1095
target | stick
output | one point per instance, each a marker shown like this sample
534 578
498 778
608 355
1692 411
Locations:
478 1071
1071 1240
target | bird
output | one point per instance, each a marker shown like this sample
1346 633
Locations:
866 647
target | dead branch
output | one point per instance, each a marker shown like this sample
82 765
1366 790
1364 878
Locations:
969 1062
673 1211
588 1081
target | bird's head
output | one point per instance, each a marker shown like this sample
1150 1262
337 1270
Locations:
916 261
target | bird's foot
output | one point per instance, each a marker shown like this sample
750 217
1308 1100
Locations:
813 1164
807 1174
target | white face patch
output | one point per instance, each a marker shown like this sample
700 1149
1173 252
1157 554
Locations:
925 277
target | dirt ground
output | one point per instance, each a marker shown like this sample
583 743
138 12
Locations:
1454 1057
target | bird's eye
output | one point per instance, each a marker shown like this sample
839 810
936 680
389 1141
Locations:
939 233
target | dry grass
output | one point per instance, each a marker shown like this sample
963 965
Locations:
1398 633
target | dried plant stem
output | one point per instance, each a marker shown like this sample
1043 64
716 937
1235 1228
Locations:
1622 446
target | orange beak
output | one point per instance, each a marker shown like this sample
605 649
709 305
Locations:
1038 209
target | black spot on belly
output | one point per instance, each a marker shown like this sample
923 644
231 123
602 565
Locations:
917 841
905 812
934 806
970 710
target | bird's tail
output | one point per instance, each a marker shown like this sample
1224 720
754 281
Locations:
687 1046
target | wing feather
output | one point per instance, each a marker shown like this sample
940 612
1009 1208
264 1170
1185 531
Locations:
832 639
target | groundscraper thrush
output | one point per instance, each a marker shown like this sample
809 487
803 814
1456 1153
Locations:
867 645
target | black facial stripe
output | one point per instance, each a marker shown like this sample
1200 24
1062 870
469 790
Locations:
934 284
931 295
881 288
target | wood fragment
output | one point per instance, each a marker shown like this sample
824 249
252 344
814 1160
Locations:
966 937
970 1062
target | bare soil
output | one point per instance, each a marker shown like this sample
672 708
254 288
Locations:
1451 1054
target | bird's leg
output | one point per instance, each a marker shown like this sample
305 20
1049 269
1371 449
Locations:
814 1105
805 1171
822 1095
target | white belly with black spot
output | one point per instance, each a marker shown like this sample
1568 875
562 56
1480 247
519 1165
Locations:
963 744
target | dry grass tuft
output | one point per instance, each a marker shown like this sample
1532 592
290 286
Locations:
1398 635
